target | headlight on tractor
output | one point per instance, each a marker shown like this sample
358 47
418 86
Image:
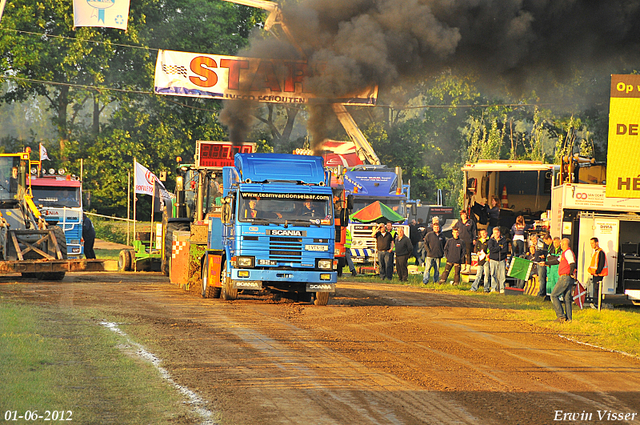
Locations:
245 262
325 264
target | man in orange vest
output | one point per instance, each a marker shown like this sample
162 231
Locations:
598 268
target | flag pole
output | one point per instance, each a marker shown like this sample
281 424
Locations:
134 197
128 207
153 206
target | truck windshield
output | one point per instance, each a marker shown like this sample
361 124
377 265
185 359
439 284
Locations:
278 207
8 177
56 196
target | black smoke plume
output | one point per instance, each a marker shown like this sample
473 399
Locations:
395 42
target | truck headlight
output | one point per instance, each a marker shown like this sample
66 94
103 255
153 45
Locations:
245 262
325 264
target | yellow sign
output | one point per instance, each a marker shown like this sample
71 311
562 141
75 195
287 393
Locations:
623 156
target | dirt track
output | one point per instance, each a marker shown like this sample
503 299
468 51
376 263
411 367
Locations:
378 354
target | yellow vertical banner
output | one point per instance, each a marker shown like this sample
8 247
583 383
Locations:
623 155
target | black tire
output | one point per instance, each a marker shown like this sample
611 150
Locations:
168 243
228 293
124 261
30 275
61 239
62 246
132 260
322 298
3 242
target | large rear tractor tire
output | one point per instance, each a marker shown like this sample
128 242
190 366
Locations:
228 293
62 246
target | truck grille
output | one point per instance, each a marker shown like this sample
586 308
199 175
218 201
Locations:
285 249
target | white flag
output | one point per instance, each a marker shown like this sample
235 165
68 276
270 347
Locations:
101 13
145 180
43 153
2 2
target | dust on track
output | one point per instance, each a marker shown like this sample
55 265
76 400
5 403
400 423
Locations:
378 354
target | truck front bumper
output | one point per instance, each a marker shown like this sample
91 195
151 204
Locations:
312 281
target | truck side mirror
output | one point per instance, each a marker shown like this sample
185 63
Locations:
227 202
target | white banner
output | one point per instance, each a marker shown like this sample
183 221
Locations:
101 13
231 77
145 180
43 153
2 2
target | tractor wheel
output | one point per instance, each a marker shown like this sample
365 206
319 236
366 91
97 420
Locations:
322 298
61 239
124 261
228 293
132 260
62 246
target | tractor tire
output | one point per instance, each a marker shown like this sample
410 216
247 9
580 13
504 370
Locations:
228 293
62 246
322 298
61 239
132 260
3 243
168 243
124 261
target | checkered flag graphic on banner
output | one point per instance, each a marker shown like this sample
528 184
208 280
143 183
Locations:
174 69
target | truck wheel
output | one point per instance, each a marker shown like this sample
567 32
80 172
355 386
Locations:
322 298
208 291
228 293
124 261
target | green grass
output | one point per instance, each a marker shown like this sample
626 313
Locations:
107 254
53 359
615 329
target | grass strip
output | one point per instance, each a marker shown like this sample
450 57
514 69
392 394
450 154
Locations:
65 361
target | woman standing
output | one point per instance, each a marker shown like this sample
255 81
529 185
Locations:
517 236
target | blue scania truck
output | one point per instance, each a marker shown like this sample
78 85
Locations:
275 231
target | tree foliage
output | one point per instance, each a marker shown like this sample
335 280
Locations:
95 84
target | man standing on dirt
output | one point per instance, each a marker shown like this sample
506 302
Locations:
454 253
598 268
467 231
383 246
434 247
566 271
404 248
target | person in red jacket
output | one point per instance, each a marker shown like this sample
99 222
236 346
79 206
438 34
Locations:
564 286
